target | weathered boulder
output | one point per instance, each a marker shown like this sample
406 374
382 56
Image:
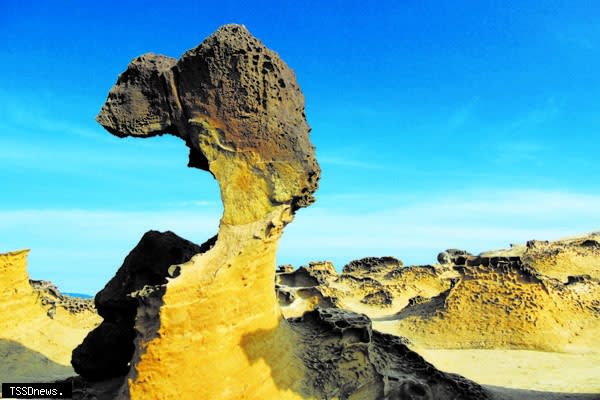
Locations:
450 256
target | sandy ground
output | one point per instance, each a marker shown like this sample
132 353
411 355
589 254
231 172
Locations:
545 372
20 364
499 393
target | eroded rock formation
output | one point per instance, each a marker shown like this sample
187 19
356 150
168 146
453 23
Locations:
107 350
347 359
216 330
500 303
495 300
377 286
39 326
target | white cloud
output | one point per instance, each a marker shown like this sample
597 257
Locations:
81 249
418 229
539 115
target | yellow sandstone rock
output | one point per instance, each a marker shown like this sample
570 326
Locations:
215 329
38 332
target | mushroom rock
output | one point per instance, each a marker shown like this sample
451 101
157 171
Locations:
216 331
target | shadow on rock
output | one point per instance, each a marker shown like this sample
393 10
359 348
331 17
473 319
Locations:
21 364
344 358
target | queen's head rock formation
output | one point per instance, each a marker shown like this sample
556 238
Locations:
214 329
238 108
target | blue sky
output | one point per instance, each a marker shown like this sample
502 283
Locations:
437 124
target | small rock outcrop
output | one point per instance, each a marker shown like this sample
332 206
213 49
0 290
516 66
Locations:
563 258
49 295
451 255
372 266
365 364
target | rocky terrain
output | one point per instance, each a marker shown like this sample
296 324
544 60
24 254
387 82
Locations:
497 302
497 299
186 321
39 326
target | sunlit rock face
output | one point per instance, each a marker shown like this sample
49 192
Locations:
499 299
216 330
39 326
107 350
16 293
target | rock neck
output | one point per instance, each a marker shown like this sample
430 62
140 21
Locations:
240 111
219 322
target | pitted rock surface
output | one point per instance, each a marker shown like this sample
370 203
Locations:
347 359
381 298
51 297
229 95
372 265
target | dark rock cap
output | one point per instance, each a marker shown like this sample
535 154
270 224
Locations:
230 95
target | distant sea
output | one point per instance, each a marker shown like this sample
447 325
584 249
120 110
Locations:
81 295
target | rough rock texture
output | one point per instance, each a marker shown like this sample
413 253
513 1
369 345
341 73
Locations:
377 286
365 364
558 259
39 326
50 296
372 266
216 331
495 300
107 350
305 288
240 111
564 258
450 255
381 298
499 302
